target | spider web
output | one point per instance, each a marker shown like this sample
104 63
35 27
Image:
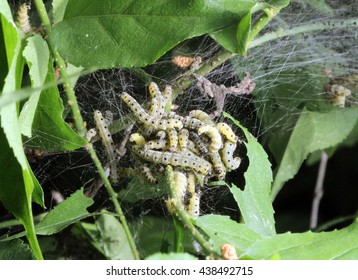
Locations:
289 73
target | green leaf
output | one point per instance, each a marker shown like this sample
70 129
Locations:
111 239
15 250
50 132
15 194
136 33
58 10
313 131
171 256
37 56
243 34
140 189
69 211
338 244
255 201
222 230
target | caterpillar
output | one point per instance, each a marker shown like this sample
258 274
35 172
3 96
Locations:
173 139
226 130
138 139
90 134
183 138
156 145
157 101
185 160
227 153
180 186
218 166
23 18
167 94
148 120
199 143
192 123
161 135
147 130
213 133
202 116
194 205
107 142
191 184
147 173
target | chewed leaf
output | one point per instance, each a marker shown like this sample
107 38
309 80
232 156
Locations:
135 34
255 201
15 250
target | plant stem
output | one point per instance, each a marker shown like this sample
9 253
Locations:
80 126
184 218
318 192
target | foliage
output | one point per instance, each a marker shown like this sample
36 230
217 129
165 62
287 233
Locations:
91 35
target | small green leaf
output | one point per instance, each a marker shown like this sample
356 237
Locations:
112 241
58 10
243 34
171 256
313 131
255 201
338 244
136 33
69 211
15 250
222 230
37 56
50 131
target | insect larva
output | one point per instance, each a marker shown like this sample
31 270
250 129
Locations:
227 153
173 139
157 101
138 139
147 131
183 138
192 123
161 135
180 185
185 160
218 166
147 173
202 116
192 147
199 143
169 124
167 94
157 145
107 142
23 18
213 133
194 205
191 184
137 110
226 130
90 134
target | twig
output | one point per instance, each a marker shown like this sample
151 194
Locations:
318 192
81 129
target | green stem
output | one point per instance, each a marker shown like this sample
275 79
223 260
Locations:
80 126
178 236
185 219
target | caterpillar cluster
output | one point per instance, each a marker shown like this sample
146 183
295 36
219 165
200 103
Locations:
196 147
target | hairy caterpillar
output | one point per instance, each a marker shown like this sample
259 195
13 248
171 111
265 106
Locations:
202 116
226 130
138 139
173 139
23 18
194 205
147 173
227 153
183 138
218 166
185 160
107 142
213 133
180 186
